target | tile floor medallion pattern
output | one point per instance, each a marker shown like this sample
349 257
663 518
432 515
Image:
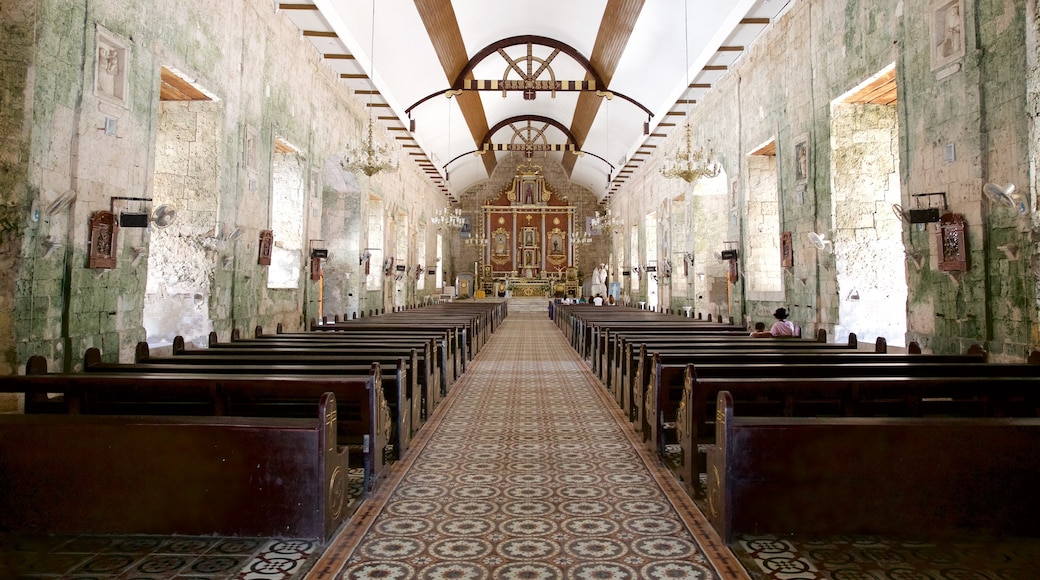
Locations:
150 557
526 472
872 557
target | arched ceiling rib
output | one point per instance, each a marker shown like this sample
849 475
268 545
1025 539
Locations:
634 47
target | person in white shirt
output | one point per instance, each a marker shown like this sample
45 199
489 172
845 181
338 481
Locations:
598 300
782 326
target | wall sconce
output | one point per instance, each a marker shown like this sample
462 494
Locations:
365 257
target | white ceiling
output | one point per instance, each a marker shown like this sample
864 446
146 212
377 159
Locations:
651 69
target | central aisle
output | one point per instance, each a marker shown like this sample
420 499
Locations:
527 471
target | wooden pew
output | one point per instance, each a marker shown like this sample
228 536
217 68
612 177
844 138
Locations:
226 476
394 386
635 378
363 416
458 348
436 374
666 369
667 381
918 477
419 380
862 396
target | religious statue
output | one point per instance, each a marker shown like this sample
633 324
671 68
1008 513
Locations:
599 281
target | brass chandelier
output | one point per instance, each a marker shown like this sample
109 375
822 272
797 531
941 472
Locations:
687 164
690 165
369 158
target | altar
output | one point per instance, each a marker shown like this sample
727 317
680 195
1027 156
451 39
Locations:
529 287
528 250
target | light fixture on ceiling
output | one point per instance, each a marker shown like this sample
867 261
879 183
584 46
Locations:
687 164
369 158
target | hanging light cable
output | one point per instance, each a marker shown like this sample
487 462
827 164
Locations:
687 164
369 158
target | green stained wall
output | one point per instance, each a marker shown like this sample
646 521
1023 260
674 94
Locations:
267 82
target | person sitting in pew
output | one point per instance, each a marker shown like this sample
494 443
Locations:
782 326
760 331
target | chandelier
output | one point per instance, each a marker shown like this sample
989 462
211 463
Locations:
447 218
604 221
368 158
687 164
580 238
690 165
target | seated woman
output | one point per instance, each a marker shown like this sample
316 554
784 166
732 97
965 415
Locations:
782 326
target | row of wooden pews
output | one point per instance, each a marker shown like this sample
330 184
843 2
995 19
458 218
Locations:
799 435
272 426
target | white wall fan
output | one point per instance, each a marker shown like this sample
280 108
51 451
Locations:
901 213
163 216
1005 195
820 242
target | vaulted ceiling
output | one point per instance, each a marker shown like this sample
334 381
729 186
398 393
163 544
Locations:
595 84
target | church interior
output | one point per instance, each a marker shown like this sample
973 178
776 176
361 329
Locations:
177 174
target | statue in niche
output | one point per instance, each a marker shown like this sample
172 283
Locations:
947 33
951 41
108 70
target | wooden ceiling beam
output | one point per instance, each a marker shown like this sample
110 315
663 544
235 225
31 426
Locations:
619 20
442 26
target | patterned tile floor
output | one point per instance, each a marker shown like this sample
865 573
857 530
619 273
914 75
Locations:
868 557
528 473
150 557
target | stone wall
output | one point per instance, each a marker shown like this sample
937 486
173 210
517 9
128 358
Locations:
959 125
81 112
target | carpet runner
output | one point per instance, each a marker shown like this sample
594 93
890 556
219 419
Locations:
528 470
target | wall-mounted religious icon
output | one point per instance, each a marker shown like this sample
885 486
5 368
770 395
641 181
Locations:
556 245
500 247
530 239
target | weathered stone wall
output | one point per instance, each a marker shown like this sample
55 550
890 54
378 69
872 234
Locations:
959 125
73 120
